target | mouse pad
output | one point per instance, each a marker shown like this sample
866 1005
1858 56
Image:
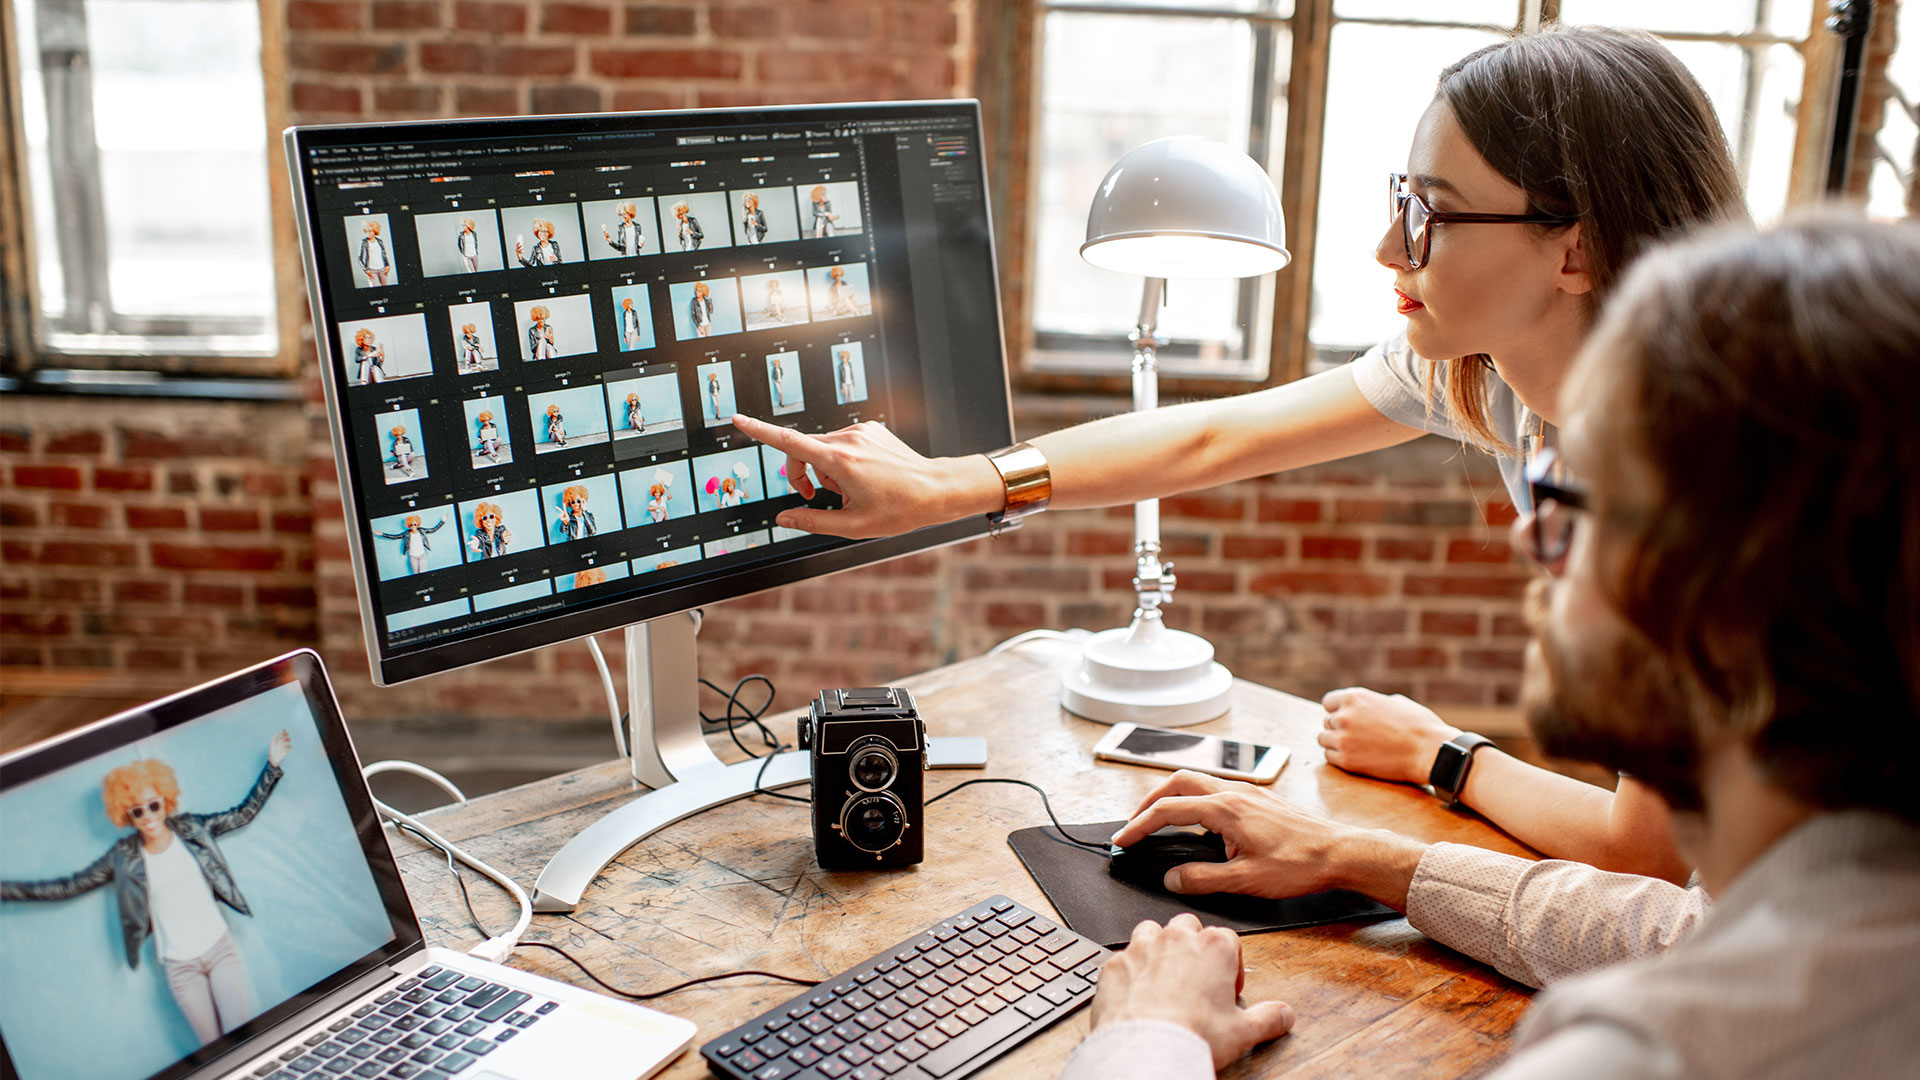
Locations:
1106 909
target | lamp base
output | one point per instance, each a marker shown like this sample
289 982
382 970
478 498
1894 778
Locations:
1147 674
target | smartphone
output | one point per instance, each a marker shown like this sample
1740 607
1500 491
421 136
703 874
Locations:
1138 744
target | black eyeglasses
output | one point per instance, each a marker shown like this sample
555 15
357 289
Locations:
1557 502
1417 218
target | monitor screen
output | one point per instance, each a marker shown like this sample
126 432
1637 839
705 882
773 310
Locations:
533 333
182 877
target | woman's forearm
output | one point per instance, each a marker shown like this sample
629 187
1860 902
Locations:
1564 818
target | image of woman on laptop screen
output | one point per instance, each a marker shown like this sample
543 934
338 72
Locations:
171 879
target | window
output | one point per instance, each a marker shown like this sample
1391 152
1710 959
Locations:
148 235
1326 93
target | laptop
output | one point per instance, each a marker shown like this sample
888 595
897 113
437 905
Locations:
200 887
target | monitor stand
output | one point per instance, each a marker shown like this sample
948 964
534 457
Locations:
671 756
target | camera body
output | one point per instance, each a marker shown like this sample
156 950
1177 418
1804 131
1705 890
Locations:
867 751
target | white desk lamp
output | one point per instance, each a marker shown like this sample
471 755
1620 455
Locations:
1190 208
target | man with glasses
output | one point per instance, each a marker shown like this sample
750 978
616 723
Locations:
1734 617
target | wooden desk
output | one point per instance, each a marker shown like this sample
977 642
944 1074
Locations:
737 887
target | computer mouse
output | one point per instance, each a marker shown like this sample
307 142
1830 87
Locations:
1146 861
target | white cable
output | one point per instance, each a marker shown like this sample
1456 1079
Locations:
1018 640
613 699
500 946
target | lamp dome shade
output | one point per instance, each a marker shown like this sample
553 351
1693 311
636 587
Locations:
1186 207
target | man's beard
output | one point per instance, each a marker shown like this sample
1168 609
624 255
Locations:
1621 705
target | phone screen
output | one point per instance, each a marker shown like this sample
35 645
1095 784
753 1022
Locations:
1181 751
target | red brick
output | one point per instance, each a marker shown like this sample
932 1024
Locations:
1237 620
72 590
490 17
85 553
76 442
50 477
1416 656
1320 583
202 594
548 100
182 482
1491 659
12 655
156 658
229 519
1021 541
79 515
345 58
1509 588
388 100
122 479
816 66
646 100
667 63
1099 543
1380 622
1015 616
1205 507
82 656
292 521
486 101
1395 549
186 557
1478 551
575 19
326 14
659 20
834 19
405 14
1039 579
320 98
822 600
461 58
16 440
156 517
1510 626
747 23
919 26
15 515
1184 545
1453 692
1450 623
142 592
1445 513
194 627
1269 509
16 551
1253 547
1498 512
1343 548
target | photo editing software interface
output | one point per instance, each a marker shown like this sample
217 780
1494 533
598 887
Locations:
539 329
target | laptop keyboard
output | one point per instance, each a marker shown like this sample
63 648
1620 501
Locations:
433 1025
941 1004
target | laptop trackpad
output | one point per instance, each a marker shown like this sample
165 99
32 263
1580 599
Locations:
578 1043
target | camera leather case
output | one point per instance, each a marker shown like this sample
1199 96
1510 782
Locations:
867 749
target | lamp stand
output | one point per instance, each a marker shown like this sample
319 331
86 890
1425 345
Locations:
1146 672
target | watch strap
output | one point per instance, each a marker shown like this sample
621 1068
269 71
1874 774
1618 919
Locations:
1028 480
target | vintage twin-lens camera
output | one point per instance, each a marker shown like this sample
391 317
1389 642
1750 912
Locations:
869 760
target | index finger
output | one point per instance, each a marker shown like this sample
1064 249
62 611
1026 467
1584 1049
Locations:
1184 782
1203 810
793 443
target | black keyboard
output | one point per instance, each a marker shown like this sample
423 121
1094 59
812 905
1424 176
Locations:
432 1026
941 1004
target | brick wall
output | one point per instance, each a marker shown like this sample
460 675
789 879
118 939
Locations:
1378 571
152 544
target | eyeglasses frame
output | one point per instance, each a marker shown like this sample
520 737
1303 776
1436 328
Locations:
1543 489
1399 194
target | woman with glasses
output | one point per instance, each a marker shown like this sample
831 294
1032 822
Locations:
1543 166
171 879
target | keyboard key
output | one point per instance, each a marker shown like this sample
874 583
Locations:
827 1044
990 1004
449 1041
391 1054
834 1068
849 1032
547 1008
428 1055
891 1009
859 1001
453 1063
964 1048
805 1056
387 1035
438 1027
391 995
795 1036
351 1035
513 1018
453 995
430 1009
369 1069
1000 905
932 1038
416 1040
878 1042
341 1024
486 994
778 1070
471 983
404 1071
969 1016
1056 993
1033 1005
443 979
364 1010
480 1046
304 1063
1015 918
362 1051
911 1050
912 999
506 1035
337 1066
889 1063
328 1049
952 1027
407 1023
417 996
817 1023
395 1008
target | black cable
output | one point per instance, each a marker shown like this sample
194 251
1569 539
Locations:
1061 829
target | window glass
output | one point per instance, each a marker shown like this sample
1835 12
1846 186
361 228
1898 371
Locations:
1787 18
1897 149
1483 12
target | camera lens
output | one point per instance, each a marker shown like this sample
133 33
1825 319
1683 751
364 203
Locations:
873 767
873 822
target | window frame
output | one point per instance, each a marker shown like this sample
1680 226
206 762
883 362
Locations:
124 366
1014 127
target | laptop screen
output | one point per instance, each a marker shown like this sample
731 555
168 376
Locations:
180 877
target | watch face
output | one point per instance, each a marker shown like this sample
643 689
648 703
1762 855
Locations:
1448 768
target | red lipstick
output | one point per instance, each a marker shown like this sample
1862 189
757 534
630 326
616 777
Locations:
1407 303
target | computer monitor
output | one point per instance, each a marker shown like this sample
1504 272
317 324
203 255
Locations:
532 333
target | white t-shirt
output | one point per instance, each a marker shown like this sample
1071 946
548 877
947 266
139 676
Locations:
186 919
1393 379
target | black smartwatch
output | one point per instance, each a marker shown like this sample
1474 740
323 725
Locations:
1450 765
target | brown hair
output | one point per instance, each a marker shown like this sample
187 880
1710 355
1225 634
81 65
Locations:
1770 385
120 791
1603 125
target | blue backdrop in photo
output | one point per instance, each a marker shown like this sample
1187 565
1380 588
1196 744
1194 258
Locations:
515 594
726 307
820 290
678 556
603 502
583 410
708 209
497 405
659 400
772 464
422 616
856 364
443 543
519 511
410 420
734 545
641 307
720 466
784 390
716 398
636 490
66 984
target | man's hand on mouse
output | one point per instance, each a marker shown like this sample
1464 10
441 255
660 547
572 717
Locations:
1189 976
1274 848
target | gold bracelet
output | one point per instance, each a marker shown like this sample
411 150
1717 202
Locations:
1029 483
